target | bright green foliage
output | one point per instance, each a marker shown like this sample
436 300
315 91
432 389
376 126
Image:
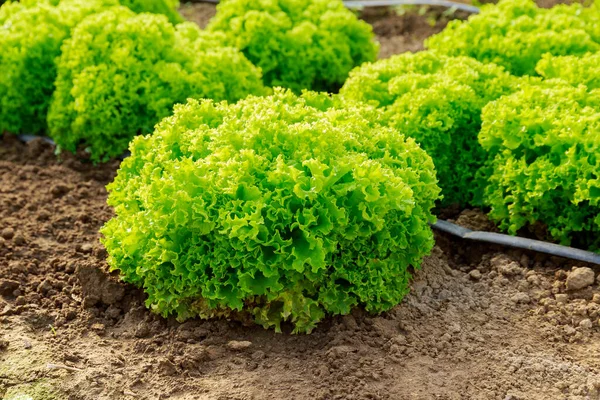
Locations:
546 167
299 44
516 33
436 100
166 7
31 35
575 70
277 208
121 73
30 40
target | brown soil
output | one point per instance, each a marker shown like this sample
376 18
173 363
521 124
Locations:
481 322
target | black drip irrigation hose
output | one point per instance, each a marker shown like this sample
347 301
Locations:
388 3
29 138
383 3
518 242
467 234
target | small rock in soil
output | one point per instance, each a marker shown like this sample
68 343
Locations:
98 328
142 330
7 233
506 266
19 239
586 324
520 298
239 345
60 190
3 344
86 248
454 328
475 275
97 286
166 367
45 286
8 286
561 298
580 278
596 298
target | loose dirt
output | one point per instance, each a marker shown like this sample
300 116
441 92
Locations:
481 322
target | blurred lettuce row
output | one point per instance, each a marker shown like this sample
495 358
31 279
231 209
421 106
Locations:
121 73
30 39
436 100
165 7
545 147
298 44
31 35
277 208
516 34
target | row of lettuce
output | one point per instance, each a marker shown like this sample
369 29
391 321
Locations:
285 203
98 72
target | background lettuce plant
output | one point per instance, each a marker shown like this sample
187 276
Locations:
30 40
31 35
120 73
436 100
545 145
298 44
278 208
516 34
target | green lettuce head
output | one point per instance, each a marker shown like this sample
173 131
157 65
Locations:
436 100
545 149
121 73
31 35
516 34
279 208
298 44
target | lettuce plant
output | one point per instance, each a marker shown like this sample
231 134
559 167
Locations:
575 70
31 35
545 148
30 40
436 100
516 34
277 208
298 44
121 73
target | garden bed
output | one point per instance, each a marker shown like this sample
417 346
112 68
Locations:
481 322
493 333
